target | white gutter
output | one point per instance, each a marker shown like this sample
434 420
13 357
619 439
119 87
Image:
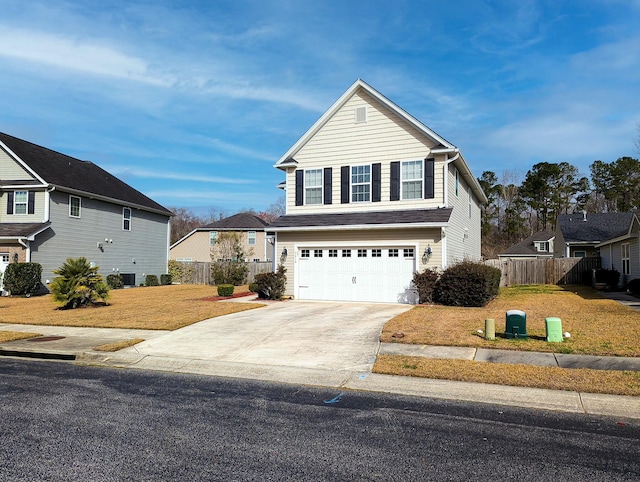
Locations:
47 203
352 227
445 173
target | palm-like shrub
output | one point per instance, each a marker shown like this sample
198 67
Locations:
78 284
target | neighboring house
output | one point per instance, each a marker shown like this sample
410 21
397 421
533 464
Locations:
578 235
53 207
537 246
372 196
196 246
622 251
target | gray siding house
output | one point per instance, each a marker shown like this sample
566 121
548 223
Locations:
54 207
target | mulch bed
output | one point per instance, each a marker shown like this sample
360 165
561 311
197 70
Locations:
235 295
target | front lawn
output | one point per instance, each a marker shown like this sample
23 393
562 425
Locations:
149 308
598 326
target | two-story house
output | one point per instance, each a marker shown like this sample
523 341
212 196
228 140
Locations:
198 244
372 196
53 207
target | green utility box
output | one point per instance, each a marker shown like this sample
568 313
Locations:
554 329
516 324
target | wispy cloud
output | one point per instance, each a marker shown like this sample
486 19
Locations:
152 174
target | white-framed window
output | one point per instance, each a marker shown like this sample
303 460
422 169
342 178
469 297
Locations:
543 246
213 237
412 179
313 186
361 115
304 253
126 219
346 253
376 253
362 253
251 238
360 183
20 200
393 252
5 257
408 252
626 259
184 259
580 254
317 253
333 253
75 204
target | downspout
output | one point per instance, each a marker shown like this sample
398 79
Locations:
47 203
445 175
27 246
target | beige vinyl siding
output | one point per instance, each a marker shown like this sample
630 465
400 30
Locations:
422 237
197 247
384 138
39 208
462 244
11 170
146 242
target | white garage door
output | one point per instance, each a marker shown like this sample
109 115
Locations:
356 273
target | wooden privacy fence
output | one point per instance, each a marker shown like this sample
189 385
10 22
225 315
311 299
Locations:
199 272
557 271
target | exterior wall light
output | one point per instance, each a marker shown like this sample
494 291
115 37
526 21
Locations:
427 254
283 255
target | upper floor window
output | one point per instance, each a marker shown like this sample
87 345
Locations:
543 246
20 199
411 178
213 237
126 219
361 183
251 237
313 186
74 206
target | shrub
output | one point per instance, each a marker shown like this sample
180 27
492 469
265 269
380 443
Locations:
151 280
23 278
165 279
78 284
115 281
225 290
610 277
425 283
253 287
467 284
228 259
229 271
181 271
634 286
271 286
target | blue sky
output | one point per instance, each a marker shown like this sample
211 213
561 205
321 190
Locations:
192 102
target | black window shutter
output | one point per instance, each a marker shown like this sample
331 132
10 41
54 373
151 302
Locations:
429 180
10 203
327 185
395 181
299 187
376 178
31 204
344 184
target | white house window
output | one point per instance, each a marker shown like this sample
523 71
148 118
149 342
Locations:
4 257
251 236
376 253
74 206
333 253
543 246
213 237
20 199
362 253
408 252
361 115
184 259
626 258
346 253
126 219
361 183
411 175
304 253
580 254
317 253
313 186
393 253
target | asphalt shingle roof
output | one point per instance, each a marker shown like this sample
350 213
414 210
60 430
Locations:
65 171
240 221
413 216
597 227
20 230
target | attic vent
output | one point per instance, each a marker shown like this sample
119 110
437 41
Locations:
361 115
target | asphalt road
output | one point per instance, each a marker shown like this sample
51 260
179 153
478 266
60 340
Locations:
66 422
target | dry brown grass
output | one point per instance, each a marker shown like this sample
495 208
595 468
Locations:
580 380
598 326
119 345
6 336
150 308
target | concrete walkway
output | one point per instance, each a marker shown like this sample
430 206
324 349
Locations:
290 344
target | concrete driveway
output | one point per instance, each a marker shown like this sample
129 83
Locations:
317 335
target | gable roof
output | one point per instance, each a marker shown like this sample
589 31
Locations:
371 220
21 230
526 247
238 222
593 227
442 145
73 175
